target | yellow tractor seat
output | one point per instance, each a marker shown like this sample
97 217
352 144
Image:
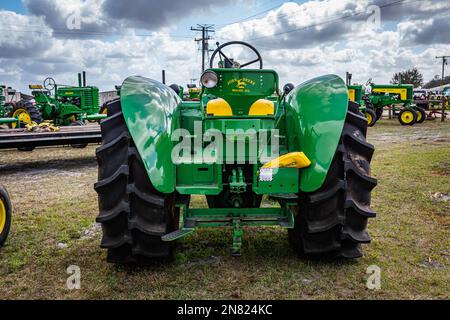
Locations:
219 108
262 107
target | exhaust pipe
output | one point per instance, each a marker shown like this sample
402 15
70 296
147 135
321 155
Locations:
84 78
79 79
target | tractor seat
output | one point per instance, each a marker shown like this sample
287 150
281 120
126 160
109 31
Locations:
221 108
262 108
218 108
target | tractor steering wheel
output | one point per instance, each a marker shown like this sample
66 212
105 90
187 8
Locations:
230 63
49 84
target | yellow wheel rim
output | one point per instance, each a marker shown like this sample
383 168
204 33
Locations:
419 116
105 111
2 216
369 118
407 117
72 119
23 116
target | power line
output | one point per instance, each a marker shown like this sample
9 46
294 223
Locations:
88 33
328 21
249 17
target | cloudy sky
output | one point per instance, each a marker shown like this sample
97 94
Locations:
112 39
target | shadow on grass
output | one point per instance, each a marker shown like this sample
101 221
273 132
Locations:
212 248
36 166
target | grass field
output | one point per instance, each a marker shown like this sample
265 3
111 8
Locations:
55 208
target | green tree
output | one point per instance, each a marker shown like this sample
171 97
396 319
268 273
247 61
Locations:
412 76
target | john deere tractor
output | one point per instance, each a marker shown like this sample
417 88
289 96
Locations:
356 93
64 105
394 95
12 113
304 146
5 215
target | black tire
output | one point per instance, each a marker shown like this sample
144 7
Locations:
78 124
410 117
5 202
421 115
30 108
332 222
133 214
371 117
379 113
104 108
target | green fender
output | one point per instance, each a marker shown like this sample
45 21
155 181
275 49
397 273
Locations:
152 113
315 117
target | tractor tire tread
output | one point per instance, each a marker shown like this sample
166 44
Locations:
332 222
133 220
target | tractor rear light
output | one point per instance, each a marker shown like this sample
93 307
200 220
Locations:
209 79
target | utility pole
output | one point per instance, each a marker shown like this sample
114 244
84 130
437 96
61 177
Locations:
444 63
205 29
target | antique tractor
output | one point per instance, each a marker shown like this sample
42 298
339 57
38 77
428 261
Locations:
394 95
304 146
64 105
5 215
7 105
356 93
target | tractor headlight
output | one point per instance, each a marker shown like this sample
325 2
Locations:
209 79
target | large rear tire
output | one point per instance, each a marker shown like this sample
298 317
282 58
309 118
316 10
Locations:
421 115
5 215
371 117
26 112
133 214
332 222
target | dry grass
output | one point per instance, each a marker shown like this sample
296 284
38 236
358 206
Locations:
52 191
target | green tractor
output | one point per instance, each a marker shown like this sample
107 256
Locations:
356 93
193 92
6 103
397 94
5 215
245 138
64 105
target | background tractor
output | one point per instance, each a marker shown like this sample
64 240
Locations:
394 95
5 215
356 93
62 104
11 111
67 105
309 152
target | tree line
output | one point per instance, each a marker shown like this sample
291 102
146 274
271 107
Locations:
414 77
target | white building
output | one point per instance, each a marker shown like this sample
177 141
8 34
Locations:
107 96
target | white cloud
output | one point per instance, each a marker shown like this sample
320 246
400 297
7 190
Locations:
337 46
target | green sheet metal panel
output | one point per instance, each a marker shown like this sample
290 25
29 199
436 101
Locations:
242 87
152 112
315 118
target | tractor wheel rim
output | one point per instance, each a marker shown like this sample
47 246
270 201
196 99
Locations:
2 216
419 116
407 117
369 118
23 116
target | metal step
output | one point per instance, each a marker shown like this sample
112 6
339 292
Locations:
176 235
